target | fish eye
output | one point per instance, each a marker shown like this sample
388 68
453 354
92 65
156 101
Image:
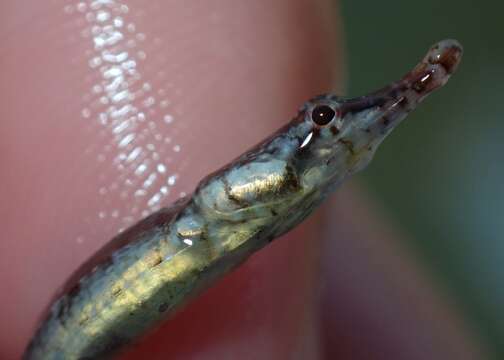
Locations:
322 115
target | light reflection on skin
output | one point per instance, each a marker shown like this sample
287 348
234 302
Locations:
131 112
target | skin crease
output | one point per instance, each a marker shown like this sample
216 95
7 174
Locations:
243 68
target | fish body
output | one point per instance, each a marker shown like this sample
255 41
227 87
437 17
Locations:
145 274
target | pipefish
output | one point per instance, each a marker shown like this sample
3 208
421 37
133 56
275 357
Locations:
148 272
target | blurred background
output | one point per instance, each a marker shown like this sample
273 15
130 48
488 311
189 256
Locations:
440 176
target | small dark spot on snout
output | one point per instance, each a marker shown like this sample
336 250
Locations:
422 84
418 86
335 131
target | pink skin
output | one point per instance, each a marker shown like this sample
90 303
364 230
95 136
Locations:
238 71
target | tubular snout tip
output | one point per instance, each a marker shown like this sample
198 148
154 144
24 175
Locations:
446 53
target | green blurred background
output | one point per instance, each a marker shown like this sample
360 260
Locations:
442 174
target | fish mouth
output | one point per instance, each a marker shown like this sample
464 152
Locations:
393 102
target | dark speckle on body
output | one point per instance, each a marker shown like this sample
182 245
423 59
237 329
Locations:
116 292
349 145
334 130
163 307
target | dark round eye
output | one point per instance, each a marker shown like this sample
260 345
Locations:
322 115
